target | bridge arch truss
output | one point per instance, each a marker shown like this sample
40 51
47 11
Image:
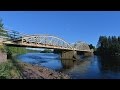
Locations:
47 40
81 46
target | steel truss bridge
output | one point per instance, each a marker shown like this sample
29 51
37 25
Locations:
42 41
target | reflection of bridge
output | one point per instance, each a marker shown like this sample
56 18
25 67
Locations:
46 41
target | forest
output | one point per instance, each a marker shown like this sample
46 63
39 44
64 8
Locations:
108 46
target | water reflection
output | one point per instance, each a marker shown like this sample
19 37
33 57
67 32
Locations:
84 69
67 64
109 64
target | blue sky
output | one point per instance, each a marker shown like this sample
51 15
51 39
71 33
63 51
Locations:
72 26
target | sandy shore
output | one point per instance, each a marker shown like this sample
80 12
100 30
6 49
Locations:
38 72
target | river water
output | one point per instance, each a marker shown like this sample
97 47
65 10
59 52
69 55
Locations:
93 67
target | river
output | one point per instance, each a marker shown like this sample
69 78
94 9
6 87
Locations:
93 67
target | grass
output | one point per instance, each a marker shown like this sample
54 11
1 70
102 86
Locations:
11 69
8 70
2 49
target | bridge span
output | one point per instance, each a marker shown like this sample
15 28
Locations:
68 51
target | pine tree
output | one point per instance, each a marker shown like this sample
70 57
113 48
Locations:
3 33
109 45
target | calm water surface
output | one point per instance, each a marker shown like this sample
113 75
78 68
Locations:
89 68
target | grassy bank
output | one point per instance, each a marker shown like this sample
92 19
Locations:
8 70
2 48
13 69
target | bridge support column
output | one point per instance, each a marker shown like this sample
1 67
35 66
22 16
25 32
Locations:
69 55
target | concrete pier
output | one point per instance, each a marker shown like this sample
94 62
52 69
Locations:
69 55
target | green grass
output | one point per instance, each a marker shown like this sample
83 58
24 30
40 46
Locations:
9 71
2 49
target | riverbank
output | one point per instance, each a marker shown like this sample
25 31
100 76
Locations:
18 70
13 69
38 72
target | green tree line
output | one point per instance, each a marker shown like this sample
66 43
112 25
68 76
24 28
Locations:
11 50
108 45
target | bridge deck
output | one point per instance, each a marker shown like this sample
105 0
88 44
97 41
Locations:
34 46
40 46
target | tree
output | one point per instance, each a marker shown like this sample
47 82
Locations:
91 46
1 24
3 33
119 39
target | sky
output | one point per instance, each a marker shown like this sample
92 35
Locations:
72 26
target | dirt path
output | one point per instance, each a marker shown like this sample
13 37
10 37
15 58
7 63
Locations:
3 57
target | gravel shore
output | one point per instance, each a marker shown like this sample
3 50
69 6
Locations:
38 72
